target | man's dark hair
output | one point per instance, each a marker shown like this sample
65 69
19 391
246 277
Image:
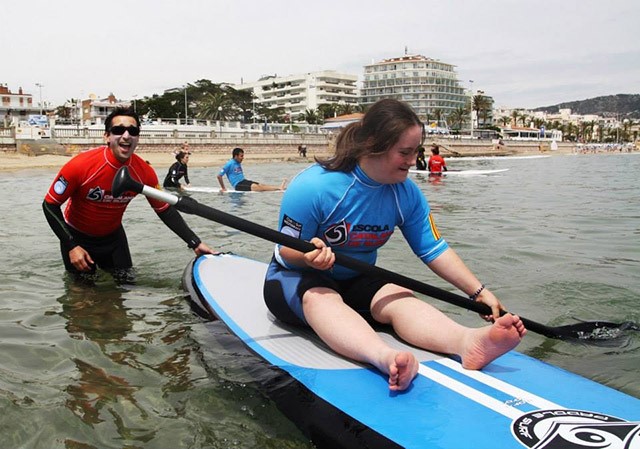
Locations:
118 112
236 151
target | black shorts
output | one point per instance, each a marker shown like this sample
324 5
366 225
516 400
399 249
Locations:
244 185
283 291
111 252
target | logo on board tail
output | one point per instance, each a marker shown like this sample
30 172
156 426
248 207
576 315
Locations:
575 429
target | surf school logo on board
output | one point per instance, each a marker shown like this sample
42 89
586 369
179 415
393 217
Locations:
575 429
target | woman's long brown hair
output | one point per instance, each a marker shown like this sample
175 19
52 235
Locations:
379 129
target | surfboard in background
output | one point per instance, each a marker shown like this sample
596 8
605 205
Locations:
197 189
461 172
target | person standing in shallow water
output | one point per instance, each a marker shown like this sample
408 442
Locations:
436 162
421 161
177 171
90 230
351 204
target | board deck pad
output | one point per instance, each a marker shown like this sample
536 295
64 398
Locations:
515 402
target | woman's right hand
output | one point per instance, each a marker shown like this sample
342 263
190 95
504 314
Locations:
322 258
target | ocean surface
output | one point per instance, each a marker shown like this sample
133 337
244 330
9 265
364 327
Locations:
557 239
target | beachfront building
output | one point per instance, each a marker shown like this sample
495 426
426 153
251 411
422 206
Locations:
297 93
430 86
95 110
16 107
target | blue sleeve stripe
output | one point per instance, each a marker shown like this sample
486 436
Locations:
432 255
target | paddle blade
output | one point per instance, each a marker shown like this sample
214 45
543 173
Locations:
595 331
123 182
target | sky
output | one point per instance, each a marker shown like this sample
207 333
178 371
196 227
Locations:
524 54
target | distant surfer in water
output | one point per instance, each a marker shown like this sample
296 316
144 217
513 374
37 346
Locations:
177 171
90 231
436 163
235 175
351 204
421 160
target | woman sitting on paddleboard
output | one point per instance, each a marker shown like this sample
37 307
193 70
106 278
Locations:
351 204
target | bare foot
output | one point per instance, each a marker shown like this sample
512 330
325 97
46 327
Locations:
488 343
283 185
402 369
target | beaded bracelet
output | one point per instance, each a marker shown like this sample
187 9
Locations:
475 295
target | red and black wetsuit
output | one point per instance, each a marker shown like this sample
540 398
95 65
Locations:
93 217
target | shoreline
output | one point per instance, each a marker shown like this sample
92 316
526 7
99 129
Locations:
16 161
204 158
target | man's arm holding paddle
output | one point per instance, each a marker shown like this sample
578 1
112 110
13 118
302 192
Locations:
174 221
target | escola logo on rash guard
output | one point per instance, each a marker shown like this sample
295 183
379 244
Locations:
95 194
337 234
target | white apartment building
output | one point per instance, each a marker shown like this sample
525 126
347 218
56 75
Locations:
426 84
16 106
297 93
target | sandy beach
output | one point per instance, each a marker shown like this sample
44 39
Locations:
162 158
14 161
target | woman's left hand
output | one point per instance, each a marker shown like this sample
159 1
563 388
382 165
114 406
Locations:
489 299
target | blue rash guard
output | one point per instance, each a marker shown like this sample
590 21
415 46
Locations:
233 170
355 215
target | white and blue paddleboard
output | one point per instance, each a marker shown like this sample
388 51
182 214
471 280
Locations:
514 402
462 172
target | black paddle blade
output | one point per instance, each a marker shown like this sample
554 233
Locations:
122 182
595 331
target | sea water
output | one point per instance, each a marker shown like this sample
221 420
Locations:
557 239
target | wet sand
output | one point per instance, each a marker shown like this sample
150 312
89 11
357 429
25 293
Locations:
14 161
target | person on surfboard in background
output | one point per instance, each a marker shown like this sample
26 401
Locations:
351 203
436 163
177 171
233 170
90 231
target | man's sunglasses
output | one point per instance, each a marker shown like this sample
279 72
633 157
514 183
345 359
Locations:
119 130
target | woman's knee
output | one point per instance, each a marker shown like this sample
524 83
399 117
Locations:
388 300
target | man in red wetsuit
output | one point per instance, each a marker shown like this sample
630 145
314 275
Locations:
90 231
436 162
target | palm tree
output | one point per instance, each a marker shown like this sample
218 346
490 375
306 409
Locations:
345 109
438 114
213 106
327 110
311 116
458 117
515 116
481 105
504 120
